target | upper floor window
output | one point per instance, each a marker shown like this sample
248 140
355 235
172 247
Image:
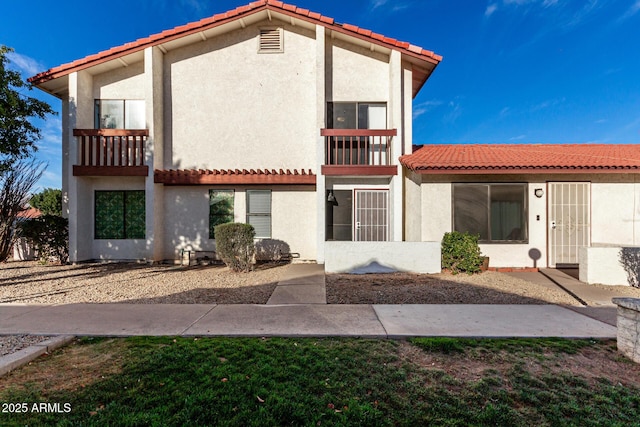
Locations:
357 115
119 114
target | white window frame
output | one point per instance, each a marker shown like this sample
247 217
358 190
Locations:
251 214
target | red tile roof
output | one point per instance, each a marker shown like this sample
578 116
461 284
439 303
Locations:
30 213
234 176
531 158
223 18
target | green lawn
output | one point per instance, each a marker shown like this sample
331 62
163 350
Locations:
263 382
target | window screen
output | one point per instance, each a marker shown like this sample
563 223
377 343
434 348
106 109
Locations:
119 215
259 212
497 212
220 209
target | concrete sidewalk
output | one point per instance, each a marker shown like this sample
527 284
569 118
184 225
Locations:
301 320
301 284
592 296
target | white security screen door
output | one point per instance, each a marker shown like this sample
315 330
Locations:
371 215
569 221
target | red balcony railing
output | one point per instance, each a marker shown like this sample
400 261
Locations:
358 152
363 147
111 151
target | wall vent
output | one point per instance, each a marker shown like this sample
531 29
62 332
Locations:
271 40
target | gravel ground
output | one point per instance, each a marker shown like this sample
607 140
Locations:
29 282
32 283
12 343
406 288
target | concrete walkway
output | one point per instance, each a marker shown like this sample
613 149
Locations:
301 320
595 301
298 307
302 284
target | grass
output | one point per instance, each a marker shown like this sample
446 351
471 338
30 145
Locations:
275 382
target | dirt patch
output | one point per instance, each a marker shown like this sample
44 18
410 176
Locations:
406 288
69 368
593 364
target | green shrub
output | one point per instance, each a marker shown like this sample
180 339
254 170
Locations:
234 245
461 253
49 235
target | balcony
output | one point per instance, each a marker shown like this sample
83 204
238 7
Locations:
111 152
358 152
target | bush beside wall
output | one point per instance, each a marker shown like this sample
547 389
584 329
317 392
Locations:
234 245
461 253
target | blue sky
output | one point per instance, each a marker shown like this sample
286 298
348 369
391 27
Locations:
514 71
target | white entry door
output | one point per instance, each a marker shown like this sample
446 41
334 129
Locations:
569 220
371 215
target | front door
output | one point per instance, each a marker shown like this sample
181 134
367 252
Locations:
371 215
569 221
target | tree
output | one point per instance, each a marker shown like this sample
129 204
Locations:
15 185
17 134
48 201
49 234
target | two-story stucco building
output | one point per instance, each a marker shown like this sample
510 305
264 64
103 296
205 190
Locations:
267 114
282 118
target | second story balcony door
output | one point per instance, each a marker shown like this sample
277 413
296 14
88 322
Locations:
357 150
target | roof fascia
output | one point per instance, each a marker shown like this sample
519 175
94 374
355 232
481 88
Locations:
326 22
529 171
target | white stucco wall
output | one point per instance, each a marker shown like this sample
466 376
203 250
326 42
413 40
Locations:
114 249
602 265
78 113
412 207
186 219
524 254
219 104
228 106
121 83
415 257
436 210
615 211
437 219
346 66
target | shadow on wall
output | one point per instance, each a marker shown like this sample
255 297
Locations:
372 267
630 261
274 250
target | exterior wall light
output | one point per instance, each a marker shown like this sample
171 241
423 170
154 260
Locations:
539 192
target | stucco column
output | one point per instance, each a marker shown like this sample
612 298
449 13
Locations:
154 193
395 122
76 192
320 124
